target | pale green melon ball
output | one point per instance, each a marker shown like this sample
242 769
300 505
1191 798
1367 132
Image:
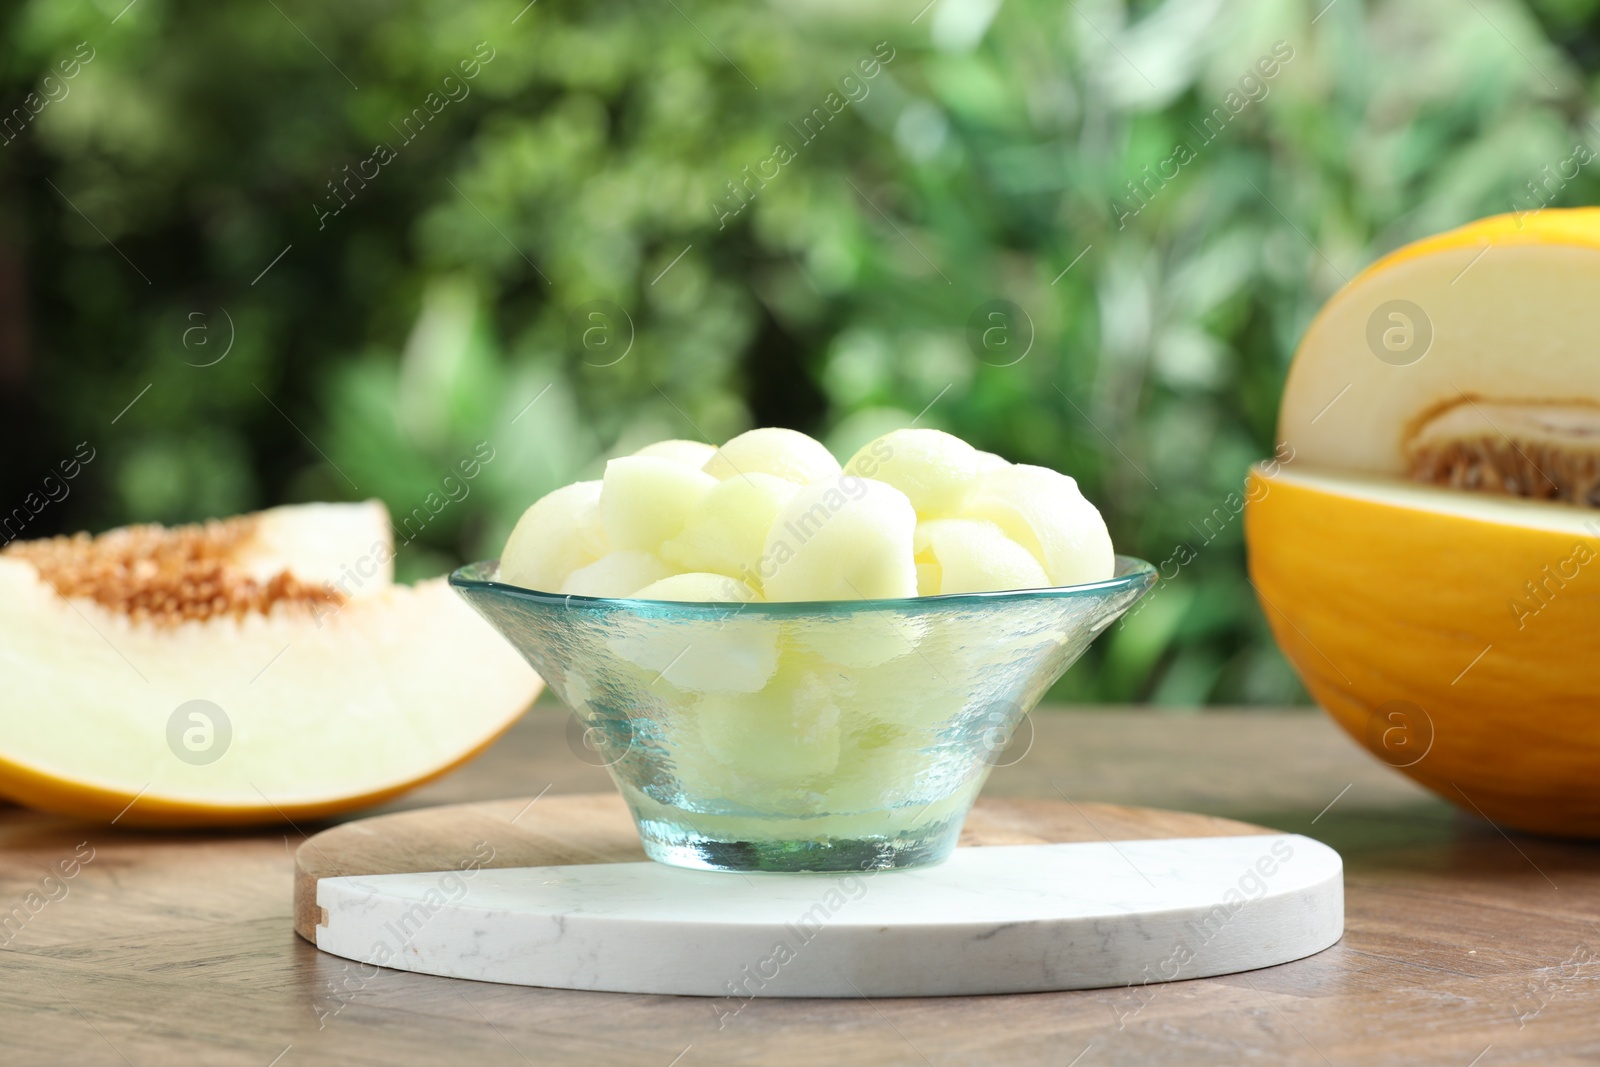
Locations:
790 731
1043 511
724 651
849 539
699 587
936 470
786 454
618 574
645 500
727 531
851 642
559 533
689 453
972 556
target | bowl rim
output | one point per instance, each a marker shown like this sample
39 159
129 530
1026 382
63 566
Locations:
1132 575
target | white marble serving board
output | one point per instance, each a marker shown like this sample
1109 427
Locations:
998 919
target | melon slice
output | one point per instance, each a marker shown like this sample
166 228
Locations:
1464 360
253 670
1423 542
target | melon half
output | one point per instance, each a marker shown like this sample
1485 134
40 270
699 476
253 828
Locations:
1425 543
253 670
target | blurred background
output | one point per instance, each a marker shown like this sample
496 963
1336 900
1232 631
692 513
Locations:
270 252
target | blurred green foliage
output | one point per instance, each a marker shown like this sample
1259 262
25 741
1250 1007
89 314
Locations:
401 261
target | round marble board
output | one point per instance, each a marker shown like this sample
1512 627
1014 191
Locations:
1042 895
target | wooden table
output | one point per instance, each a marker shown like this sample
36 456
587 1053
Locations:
1464 945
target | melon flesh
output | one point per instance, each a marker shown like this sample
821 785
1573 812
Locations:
971 556
689 453
827 545
559 533
786 733
1461 362
700 587
727 530
935 470
344 545
645 500
787 454
1043 511
330 701
1488 381
1434 500
616 575
773 511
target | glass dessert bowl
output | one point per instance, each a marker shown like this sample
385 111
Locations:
807 735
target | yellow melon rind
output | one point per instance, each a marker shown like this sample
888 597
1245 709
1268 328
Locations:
1381 593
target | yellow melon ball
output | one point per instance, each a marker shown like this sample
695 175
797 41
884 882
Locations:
1043 511
617 574
849 539
988 461
558 534
787 454
645 500
727 531
936 470
972 556
689 453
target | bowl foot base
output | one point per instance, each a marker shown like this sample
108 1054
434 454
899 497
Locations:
683 846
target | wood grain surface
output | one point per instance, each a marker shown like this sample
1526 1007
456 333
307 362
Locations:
555 831
1464 946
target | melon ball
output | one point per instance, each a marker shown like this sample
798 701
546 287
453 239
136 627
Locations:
1043 511
727 531
890 716
788 732
740 660
915 694
972 556
724 652
689 453
854 642
936 470
988 461
847 539
750 747
617 574
786 454
645 500
699 587
558 534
